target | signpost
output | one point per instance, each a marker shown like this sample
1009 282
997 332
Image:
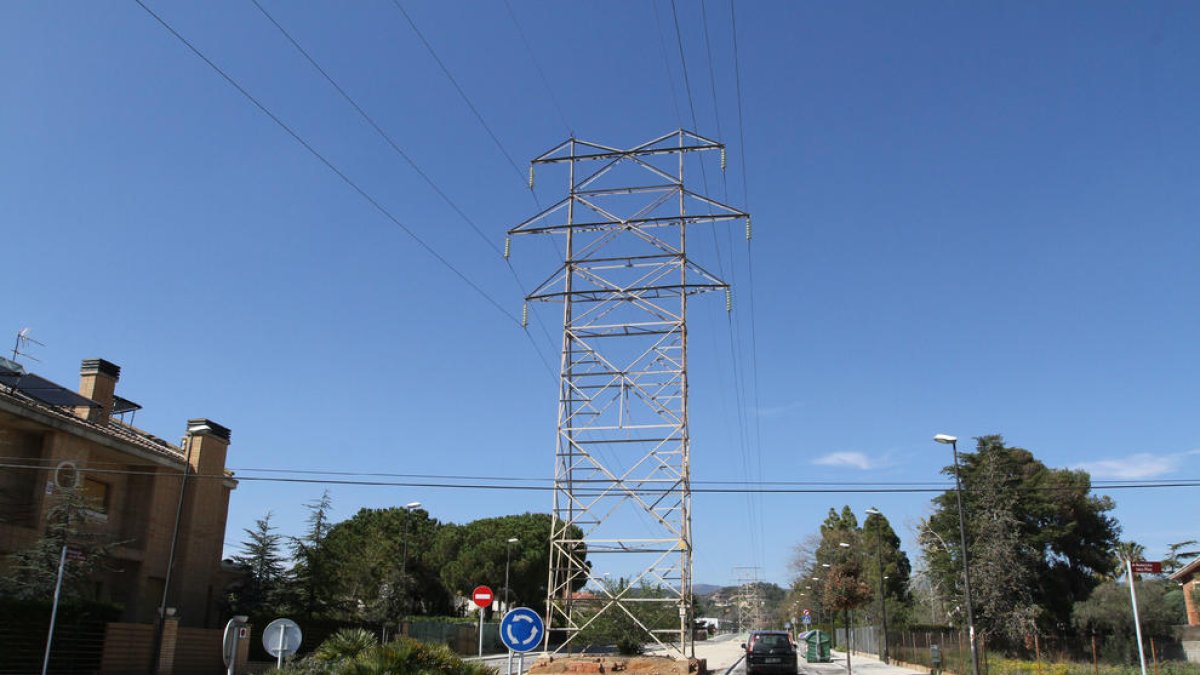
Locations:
1146 567
482 597
521 631
281 638
1140 567
235 632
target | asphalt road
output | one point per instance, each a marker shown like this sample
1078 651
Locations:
724 655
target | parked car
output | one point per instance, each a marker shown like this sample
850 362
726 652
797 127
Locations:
770 651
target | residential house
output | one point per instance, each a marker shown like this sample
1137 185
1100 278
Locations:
52 438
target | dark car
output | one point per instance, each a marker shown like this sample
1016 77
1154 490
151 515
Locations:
770 651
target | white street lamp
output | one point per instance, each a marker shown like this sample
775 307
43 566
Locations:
952 441
882 604
507 559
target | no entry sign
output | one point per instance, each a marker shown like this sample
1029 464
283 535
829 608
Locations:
481 596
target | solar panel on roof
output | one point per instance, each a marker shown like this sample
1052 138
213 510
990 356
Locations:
124 405
40 389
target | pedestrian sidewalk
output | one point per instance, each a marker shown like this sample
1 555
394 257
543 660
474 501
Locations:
859 663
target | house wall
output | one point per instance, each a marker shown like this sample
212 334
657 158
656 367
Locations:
140 492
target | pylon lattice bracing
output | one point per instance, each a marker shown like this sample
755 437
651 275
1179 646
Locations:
622 492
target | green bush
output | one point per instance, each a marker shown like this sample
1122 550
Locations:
1014 666
354 652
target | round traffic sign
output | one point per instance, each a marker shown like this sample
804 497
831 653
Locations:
481 596
522 629
281 636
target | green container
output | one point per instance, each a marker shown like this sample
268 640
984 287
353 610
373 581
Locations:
817 650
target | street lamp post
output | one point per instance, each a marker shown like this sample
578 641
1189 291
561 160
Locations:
408 508
507 559
849 635
952 441
882 603
183 483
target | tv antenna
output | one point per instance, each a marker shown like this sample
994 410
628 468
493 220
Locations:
23 342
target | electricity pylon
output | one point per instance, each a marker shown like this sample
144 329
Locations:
622 490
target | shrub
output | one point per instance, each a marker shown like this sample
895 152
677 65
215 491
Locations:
354 652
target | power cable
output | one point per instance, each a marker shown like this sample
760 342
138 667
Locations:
753 467
329 165
412 163
379 130
481 485
40 463
662 43
486 127
538 67
457 87
753 315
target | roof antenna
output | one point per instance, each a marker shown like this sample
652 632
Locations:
23 340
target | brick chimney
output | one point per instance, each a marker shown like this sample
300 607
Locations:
98 381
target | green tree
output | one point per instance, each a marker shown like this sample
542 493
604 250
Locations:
626 626
1061 534
834 567
372 577
263 586
1179 554
1004 604
475 553
882 545
311 571
1122 552
1107 614
32 573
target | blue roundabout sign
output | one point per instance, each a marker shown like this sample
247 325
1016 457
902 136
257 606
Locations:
522 630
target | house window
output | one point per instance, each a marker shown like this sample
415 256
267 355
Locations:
96 494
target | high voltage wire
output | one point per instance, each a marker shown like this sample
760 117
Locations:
349 181
379 130
662 43
459 89
714 488
737 70
45 463
329 165
755 466
411 162
537 66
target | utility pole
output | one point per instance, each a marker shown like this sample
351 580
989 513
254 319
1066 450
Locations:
622 478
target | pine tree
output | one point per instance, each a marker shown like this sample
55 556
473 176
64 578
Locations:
70 521
263 588
311 572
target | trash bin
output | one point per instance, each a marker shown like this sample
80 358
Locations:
935 657
817 646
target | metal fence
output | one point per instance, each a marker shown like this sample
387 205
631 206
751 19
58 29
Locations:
1040 655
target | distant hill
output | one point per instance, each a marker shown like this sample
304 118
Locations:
705 589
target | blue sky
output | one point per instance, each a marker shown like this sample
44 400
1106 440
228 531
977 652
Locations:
968 218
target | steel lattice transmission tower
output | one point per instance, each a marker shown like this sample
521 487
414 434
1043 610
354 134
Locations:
622 493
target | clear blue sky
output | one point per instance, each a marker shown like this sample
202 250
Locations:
969 218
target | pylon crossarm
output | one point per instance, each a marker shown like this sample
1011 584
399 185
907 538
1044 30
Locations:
583 183
649 221
626 154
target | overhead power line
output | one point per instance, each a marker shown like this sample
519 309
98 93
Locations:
330 165
540 485
412 163
562 116
457 87
378 129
